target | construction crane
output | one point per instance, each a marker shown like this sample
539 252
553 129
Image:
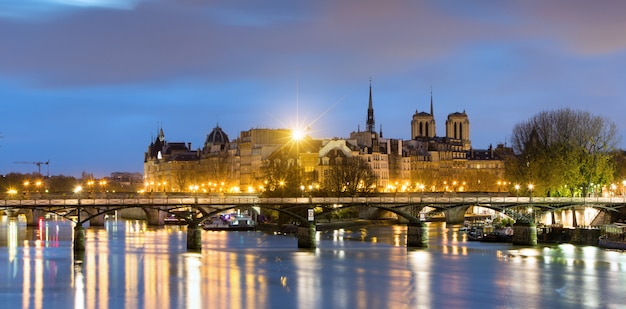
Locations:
39 163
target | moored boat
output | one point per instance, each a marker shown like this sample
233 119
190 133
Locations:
229 222
613 236
490 235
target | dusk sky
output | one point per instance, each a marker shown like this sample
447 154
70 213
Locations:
86 84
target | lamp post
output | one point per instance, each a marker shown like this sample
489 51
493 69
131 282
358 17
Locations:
282 188
26 184
11 192
103 186
90 183
530 190
613 187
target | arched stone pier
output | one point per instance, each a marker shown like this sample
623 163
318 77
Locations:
306 236
11 213
194 237
155 217
32 216
456 215
525 234
79 238
417 235
97 220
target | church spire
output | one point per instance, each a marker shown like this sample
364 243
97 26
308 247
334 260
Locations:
161 136
370 125
431 102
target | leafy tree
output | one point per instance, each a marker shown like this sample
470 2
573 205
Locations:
563 152
620 165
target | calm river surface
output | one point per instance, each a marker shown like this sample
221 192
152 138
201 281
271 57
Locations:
129 265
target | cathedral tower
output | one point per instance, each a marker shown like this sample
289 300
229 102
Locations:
457 127
423 124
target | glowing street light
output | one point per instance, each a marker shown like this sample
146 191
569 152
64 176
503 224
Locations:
282 188
26 184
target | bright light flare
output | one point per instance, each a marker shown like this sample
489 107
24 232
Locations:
297 134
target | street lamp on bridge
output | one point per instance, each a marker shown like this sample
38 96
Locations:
530 190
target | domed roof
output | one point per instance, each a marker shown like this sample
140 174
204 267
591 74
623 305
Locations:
216 137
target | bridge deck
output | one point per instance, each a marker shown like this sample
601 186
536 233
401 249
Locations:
376 200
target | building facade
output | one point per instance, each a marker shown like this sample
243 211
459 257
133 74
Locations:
253 161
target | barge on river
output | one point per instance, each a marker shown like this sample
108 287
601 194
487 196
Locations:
230 222
614 236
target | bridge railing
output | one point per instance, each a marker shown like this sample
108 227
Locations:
379 200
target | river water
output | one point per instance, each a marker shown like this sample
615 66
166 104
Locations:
127 264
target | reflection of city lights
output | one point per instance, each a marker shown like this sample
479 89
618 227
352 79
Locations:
419 262
79 288
12 239
40 224
193 263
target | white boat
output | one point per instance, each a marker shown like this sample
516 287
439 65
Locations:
229 222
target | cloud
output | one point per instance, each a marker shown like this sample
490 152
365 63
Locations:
527 53
584 27
121 41
159 40
38 9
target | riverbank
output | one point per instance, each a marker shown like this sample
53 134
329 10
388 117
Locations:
574 236
326 226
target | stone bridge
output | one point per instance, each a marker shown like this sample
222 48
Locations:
413 209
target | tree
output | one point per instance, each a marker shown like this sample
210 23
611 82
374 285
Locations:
563 152
350 175
281 174
219 167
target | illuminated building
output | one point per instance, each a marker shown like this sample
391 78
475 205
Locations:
425 163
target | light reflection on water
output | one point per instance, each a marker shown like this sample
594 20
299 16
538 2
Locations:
127 264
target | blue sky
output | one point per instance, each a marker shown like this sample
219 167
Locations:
87 83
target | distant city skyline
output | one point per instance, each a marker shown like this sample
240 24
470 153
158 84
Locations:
86 85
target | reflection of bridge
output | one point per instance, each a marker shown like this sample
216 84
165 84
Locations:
409 208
